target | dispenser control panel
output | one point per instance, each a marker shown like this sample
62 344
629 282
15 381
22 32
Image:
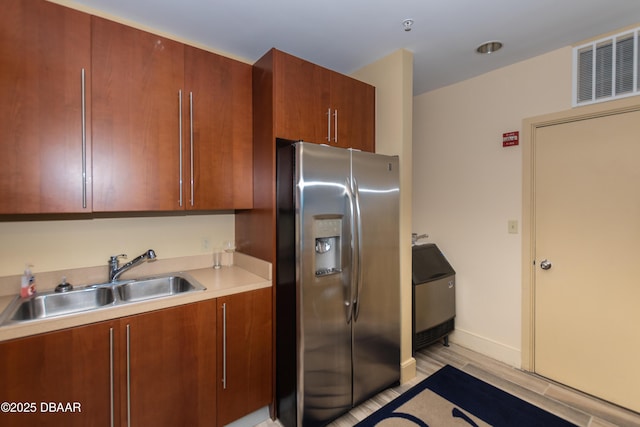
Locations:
328 227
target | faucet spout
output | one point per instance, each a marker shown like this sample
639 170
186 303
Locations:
115 270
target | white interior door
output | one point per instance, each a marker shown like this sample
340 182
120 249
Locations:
587 228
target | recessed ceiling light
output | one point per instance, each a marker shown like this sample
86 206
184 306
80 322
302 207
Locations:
489 47
407 23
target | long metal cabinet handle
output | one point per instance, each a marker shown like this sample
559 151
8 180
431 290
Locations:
111 371
128 376
335 126
180 141
84 140
352 226
191 141
329 125
356 192
224 346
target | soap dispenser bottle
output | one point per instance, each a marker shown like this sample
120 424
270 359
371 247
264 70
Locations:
28 283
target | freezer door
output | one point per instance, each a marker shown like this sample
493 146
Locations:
323 283
376 329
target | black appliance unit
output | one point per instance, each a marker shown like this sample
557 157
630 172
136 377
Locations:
434 302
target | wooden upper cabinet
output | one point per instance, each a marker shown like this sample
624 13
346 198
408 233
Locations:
353 105
172 124
318 105
136 99
301 95
44 49
99 116
218 132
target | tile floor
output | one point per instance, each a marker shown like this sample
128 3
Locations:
580 409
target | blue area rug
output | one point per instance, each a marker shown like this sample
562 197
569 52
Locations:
451 397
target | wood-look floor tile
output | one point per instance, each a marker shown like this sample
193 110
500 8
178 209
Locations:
581 409
596 407
535 398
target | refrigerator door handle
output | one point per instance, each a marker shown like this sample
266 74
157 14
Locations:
358 254
353 242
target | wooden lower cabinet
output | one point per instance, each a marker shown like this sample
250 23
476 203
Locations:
67 367
160 368
163 365
168 367
244 354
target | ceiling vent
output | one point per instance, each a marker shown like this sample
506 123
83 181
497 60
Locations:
606 69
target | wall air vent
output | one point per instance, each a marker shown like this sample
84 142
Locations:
607 69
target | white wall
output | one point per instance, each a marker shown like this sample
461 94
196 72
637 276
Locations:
466 187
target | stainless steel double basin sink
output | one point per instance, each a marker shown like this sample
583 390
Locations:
52 304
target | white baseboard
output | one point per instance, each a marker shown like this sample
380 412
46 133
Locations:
504 353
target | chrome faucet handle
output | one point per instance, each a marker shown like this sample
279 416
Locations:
114 258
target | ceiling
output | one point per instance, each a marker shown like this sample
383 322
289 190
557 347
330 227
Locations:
345 35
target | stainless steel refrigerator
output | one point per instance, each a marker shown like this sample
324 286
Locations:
337 280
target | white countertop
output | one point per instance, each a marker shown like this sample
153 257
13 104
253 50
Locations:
220 282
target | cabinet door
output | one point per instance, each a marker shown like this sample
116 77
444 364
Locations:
301 99
171 359
136 99
218 135
245 354
71 367
354 106
44 49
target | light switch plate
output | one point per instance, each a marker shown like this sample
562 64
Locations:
512 226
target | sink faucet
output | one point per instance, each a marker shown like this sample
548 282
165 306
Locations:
415 237
115 270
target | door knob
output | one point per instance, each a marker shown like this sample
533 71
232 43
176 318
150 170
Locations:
545 264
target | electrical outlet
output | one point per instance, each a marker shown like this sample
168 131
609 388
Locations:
512 226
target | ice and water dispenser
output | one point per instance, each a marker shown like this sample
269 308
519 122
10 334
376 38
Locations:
328 237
